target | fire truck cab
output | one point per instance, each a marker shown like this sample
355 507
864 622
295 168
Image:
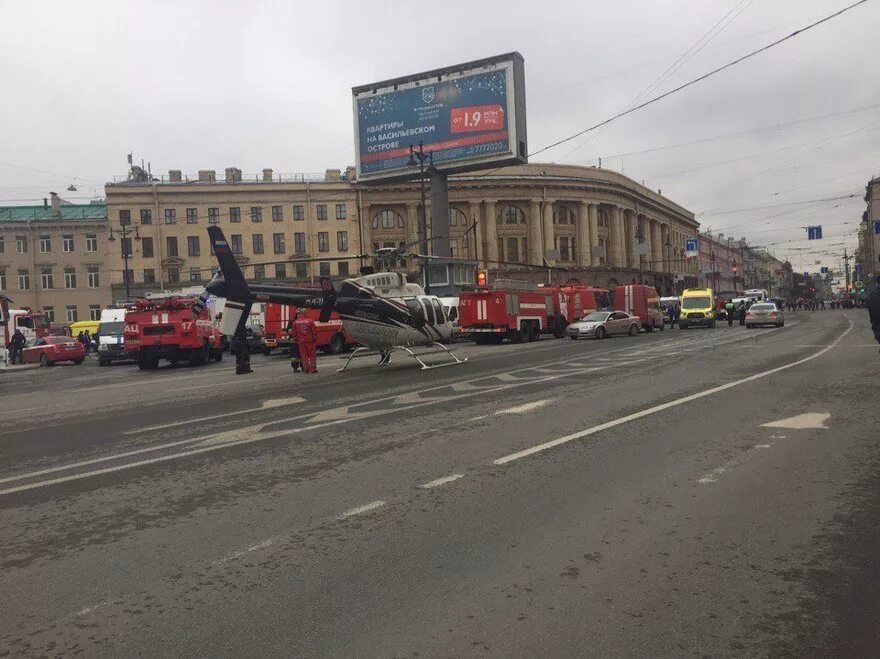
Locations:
159 329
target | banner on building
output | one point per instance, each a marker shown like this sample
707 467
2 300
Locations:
690 248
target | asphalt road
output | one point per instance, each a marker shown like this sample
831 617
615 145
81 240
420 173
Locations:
562 498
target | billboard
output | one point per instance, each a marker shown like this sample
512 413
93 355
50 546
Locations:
467 117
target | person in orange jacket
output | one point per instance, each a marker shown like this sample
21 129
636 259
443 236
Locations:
306 338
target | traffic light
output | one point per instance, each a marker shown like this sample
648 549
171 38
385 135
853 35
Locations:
482 278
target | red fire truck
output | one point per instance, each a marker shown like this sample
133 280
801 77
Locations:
492 315
332 337
158 329
31 324
576 300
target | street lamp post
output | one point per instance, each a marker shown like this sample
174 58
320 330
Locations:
420 157
125 232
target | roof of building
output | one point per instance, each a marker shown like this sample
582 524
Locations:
43 213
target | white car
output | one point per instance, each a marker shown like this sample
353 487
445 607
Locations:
601 324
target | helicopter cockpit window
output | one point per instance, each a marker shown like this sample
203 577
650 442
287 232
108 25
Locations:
429 312
416 311
438 310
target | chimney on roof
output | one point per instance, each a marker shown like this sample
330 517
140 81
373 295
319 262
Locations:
56 204
207 176
45 202
267 175
233 175
332 176
174 176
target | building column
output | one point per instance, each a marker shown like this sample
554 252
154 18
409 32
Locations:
656 246
645 233
666 247
548 233
535 242
615 238
412 226
491 234
584 233
593 212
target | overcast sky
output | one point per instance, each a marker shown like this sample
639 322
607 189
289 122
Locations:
206 85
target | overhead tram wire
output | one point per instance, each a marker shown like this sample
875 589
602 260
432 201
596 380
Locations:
701 78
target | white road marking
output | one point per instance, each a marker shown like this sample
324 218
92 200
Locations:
479 418
367 507
522 409
437 482
665 406
801 421
281 402
408 399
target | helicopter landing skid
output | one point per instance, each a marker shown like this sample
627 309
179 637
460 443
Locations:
438 348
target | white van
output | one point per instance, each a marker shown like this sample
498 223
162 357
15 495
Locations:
450 308
111 346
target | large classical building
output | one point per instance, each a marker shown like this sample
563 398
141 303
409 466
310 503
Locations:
54 258
592 224
868 252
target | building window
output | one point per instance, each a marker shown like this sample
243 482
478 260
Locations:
257 240
72 315
192 246
298 213
342 241
453 248
322 211
192 216
302 270
171 246
256 214
45 244
213 216
93 276
234 214
173 276
602 217
236 243
323 241
341 211
149 276
299 243
146 216
2 280
128 276
147 248
259 272
565 246
46 278
603 254
170 215
67 243
195 274
563 215
2 245
91 242
278 243
324 268
512 249
343 268
512 215
457 217
94 312
50 313
24 280
388 219
21 243
277 213
69 278
280 271
124 217
125 247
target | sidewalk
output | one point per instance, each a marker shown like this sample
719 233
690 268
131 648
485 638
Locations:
17 368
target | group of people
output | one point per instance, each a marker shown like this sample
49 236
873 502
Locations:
736 312
87 340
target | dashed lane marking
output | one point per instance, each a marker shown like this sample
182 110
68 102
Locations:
522 409
665 406
802 421
360 510
437 482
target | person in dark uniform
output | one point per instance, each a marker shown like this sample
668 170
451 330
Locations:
873 304
16 345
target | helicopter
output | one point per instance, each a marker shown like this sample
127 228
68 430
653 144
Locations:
381 310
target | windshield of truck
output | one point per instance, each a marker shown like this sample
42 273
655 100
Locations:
696 303
113 328
597 317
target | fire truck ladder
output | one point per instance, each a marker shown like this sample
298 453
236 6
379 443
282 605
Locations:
436 349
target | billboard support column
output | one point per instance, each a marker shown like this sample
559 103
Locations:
439 213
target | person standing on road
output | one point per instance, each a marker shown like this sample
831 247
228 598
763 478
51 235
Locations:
873 304
306 338
674 313
87 341
741 312
729 308
16 346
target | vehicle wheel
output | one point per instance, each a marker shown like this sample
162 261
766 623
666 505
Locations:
481 339
572 337
218 355
648 329
748 326
601 333
634 329
148 363
77 361
682 325
335 345
173 363
559 331
44 360
103 362
516 336
663 327
782 324
267 351
534 331
200 356
711 324
495 339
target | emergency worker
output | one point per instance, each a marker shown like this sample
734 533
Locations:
306 338
730 309
742 312
16 345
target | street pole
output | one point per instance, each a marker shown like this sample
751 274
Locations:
846 259
125 233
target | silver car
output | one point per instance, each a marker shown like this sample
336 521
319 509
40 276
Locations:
600 324
765 313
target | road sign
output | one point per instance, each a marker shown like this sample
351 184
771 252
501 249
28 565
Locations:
814 233
858 267
806 274
690 247
823 269
877 227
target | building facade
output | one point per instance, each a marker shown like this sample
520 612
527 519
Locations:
867 256
530 221
721 263
54 258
